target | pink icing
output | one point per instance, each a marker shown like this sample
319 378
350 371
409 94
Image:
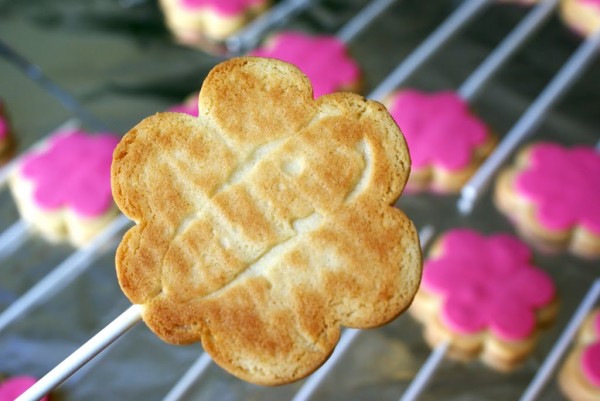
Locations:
73 171
592 3
15 386
190 107
224 7
487 282
590 359
564 186
590 363
439 128
323 59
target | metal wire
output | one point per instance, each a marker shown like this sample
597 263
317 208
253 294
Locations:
525 126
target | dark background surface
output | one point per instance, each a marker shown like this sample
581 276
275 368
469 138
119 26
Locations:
117 59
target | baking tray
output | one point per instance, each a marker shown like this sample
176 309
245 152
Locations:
119 62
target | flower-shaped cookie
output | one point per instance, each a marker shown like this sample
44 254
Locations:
324 59
447 141
13 387
551 194
484 296
265 223
579 377
63 188
583 16
193 21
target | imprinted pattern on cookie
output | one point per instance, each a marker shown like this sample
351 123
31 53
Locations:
324 59
73 172
487 284
563 185
251 237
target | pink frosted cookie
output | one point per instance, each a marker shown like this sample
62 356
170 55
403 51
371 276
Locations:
579 378
63 188
6 135
195 21
13 387
447 141
484 296
583 16
324 59
551 194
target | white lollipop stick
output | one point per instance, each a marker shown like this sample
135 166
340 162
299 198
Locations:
61 276
81 356
513 41
545 371
250 35
189 378
82 373
464 13
13 236
361 20
426 372
529 121
347 338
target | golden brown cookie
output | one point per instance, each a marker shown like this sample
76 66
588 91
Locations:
266 223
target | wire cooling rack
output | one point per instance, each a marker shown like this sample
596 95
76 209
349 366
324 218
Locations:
388 363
